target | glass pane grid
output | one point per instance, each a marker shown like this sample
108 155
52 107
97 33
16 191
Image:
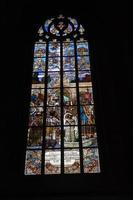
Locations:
62 136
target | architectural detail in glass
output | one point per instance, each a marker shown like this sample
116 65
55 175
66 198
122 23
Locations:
62 135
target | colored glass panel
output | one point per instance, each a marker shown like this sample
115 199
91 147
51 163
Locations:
89 136
39 64
53 97
87 115
82 48
53 137
38 77
70 115
53 79
86 95
68 49
71 136
52 162
83 62
75 23
69 96
54 49
53 116
71 161
40 50
37 97
68 63
34 140
84 76
53 30
33 162
69 79
36 116
37 86
54 64
91 160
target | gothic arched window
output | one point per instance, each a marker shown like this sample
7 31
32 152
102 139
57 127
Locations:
61 136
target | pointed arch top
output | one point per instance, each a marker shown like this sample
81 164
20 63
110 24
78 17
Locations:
61 26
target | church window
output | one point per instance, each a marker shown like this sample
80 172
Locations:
62 135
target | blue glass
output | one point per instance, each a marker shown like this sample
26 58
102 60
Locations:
83 62
39 64
40 50
69 79
53 79
54 49
68 49
82 48
87 115
68 63
37 97
84 76
54 64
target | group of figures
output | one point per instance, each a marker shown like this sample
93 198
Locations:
71 161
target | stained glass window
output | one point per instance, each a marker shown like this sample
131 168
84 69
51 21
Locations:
62 135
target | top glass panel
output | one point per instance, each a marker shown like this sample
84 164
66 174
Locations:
68 49
54 49
82 48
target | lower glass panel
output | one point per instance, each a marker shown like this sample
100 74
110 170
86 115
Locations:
89 136
71 136
52 162
33 162
71 161
91 160
53 137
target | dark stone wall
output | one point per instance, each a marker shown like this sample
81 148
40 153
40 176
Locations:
110 37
